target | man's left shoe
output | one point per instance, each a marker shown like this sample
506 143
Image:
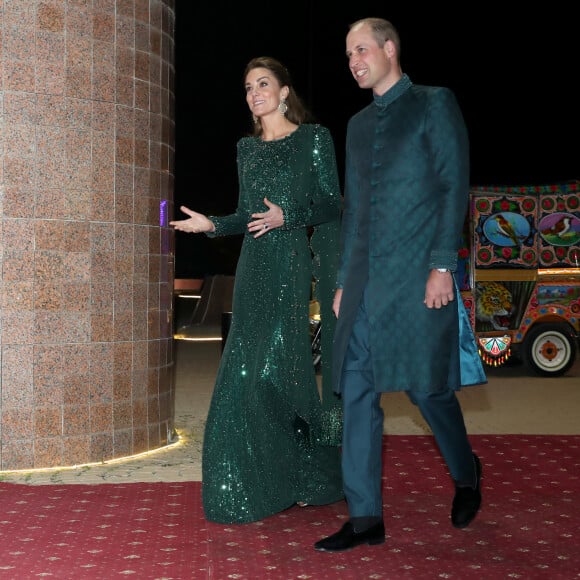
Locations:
467 500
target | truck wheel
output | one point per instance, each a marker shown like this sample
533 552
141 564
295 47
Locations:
549 349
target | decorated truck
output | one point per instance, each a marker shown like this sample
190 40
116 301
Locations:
519 274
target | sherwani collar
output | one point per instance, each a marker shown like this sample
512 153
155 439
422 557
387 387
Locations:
393 93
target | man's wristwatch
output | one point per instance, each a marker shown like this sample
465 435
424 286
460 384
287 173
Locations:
442 270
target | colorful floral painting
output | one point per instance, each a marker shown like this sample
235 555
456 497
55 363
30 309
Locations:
526 227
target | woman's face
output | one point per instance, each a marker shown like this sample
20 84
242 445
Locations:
263 92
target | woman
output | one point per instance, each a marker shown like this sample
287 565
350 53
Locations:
270 441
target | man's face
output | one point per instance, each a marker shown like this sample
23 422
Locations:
369 63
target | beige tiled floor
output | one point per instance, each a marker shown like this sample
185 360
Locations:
512 402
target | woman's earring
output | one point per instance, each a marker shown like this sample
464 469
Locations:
283 107
255 119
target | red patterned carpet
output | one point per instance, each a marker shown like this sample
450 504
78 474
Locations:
528 527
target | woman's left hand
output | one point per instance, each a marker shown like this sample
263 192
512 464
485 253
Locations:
266 221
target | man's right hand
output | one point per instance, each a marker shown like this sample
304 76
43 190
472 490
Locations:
336 301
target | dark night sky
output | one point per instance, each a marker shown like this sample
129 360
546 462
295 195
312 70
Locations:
514 75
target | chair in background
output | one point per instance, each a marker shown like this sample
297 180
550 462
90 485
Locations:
205 321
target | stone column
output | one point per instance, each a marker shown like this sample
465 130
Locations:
86 257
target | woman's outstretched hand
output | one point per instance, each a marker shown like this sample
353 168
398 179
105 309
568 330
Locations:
265 221
197 223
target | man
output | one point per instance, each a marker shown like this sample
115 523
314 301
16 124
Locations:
401 322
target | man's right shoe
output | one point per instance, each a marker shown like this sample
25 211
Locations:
347 539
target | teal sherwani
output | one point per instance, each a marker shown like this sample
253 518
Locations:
406 196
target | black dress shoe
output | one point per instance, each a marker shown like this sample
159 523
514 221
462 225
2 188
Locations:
467 500
347 539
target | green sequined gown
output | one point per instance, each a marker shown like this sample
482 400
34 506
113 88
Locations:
269 440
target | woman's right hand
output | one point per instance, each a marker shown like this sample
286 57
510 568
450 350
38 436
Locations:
197 223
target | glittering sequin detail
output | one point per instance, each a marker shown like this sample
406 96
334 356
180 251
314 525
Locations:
269 440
